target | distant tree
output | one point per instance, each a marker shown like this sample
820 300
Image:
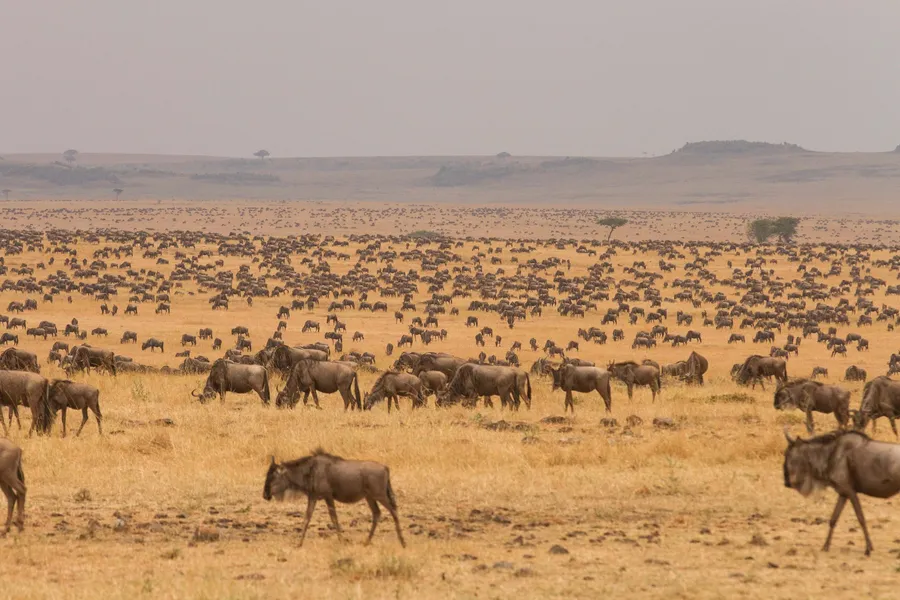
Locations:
504 155
613 223
262 154
118 192
6 193
785 228
70 155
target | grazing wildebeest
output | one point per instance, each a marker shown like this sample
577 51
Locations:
195 366
206 333
129 336
583 380
240 330
83 358
65 394
12 483
226 376
392 385
310 325
433 382
14 359
389 349
736 337
131 309
472 321
6 338
854 373
322 476
313 376
812 396
153 343
756 367
817 371
284 358
631 374
20 388
471 381
217 344
186 339
851 463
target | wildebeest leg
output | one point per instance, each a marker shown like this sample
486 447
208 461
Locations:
14 410
857 508
488 401
310 507
332 511
316 398
84 419
810 426
893 425
835 515
10 503
63 415
630 391
99 418
376 515
570 403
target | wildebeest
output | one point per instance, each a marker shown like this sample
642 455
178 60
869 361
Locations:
64 394
129 336
206 333
12 483
186 339
226 376
195 366
7 337
21 388
240 330
756 367
631 374
470 381
310 325
14 359
432 382
812 396
819 371
851 463
284 358
153 343
312 376
392 385
583 380
83 358
881 398
854 373
322 476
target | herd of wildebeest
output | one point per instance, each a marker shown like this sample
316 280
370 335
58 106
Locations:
499 281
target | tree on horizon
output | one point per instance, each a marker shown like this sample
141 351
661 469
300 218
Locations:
613 223
262 154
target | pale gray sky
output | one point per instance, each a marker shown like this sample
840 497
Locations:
387 77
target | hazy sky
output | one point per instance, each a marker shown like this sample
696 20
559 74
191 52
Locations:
381 77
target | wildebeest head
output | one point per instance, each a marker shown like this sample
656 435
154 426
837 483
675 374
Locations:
805 465
281 477
784 398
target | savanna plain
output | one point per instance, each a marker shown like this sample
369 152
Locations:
494 503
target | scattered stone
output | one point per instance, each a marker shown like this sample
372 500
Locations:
634 421
772 565
120 526
503 564
656 561
557 549
569 441
664 423
251 577
705 531
206 534
524 572
163 422
609 422
758 540
530 440
83 495
468 557
554 420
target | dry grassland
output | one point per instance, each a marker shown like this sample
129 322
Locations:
699 511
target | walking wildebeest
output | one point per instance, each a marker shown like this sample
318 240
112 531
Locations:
881 398
14 359
432 382
756 367
812 396
631 374
322 476
65 394
583 380
153 343
226 376
312 376
21 388
392 385
12 483
851 463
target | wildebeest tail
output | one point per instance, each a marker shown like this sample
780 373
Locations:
356 391
390 491
267 395
43 418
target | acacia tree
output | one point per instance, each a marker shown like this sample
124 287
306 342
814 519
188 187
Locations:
70 155
262 154
6 193
118 192
613 223
785 228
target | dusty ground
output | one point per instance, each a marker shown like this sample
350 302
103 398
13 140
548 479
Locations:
535 508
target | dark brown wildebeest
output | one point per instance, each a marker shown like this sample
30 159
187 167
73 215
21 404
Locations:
392 385
313 376
217 344
13 359
631 374
20 388
881 398
756 367
7 337
851 463
226 376
12 483
819 371
195 366
736 337
583 380
471 381
697 366
389 349
438 361
129 336
285 357
310 325
812 396
65 394
187 338
433 382
854 373
83 358
206 333
322 476
153 343
472 321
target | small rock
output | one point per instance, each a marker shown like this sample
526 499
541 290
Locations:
251 577
503 564
524 572
705 531
772 565
163 422
468 557
530 440
634 420
120 526
206 534
557 549
607 422
569 441
664 423
758 540
82 495
554 420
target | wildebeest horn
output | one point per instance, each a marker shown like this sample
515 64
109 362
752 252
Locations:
273 459
195 394
788 437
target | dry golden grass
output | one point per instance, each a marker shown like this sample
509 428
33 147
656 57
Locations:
695 512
